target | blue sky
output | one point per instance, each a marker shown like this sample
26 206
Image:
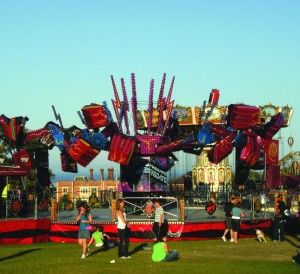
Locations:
62 53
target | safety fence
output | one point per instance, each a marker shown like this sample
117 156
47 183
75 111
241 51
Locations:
180 206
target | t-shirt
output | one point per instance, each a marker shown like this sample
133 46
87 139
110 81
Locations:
282 207
97 236
158 211
159 253
228 208
236 213
120 224
82 226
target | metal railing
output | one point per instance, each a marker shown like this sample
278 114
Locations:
142 209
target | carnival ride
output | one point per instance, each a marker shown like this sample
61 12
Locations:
147 138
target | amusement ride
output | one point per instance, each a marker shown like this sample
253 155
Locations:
137 139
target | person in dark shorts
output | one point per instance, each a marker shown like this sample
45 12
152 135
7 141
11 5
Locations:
228 208
237 214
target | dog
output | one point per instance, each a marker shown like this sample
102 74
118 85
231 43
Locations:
260 235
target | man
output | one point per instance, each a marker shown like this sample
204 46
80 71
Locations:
158 219
228 208
279 220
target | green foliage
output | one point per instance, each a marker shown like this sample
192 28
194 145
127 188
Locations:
93 200
64 202
79 202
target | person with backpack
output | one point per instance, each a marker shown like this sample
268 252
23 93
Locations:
228 208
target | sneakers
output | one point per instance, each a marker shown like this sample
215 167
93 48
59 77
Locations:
123 257
224 238
82 256
232 241
128 257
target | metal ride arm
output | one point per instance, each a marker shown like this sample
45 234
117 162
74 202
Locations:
57 117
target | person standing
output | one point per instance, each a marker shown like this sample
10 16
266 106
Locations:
257 206
237 214
228 227
84 219
280 218
123 227
161 251
158 219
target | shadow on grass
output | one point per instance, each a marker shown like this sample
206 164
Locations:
291 242
100 250
105 248
138 248
18 254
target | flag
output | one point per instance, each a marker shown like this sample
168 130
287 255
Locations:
271 151
273 178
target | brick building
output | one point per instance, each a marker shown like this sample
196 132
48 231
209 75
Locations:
82 188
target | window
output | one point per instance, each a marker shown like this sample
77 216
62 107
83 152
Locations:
84 193
65 190
83 190
94 190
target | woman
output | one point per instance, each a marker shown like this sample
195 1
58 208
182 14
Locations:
123 228
161 251
237 213
84 219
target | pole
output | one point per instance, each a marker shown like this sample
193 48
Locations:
113 210
6 209
73 195
252 207
35 208
265 172
265 205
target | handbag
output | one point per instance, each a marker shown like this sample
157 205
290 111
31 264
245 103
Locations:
88 227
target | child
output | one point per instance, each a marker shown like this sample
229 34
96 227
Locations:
158 219
98 236
84 219
161 251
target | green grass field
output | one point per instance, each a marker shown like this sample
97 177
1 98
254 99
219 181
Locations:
211 256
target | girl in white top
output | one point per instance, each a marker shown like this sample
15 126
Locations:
122 227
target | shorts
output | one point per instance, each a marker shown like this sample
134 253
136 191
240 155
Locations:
235 225
228 223
84 234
